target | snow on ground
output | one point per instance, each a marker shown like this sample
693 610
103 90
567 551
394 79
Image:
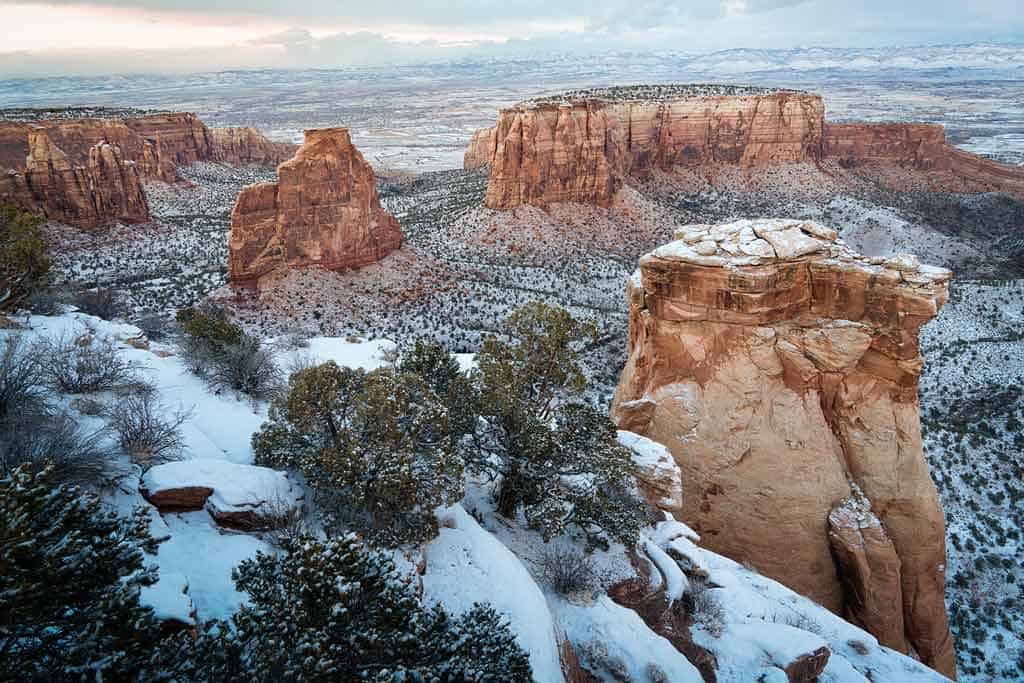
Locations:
466 565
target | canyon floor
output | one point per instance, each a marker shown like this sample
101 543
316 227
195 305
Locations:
464 268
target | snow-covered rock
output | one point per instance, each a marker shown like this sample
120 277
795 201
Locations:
657 471
466 564
237 496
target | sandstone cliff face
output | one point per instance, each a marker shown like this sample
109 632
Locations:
88 172
249 146
583 149
480 150
104 188
323 210
781 370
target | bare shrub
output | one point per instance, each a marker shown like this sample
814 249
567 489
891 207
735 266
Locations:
655 674
246 367
102 302
54 440
704 608
859 646
566 570
86 364
292 342
43 302
146 430
285 521
23 377
596 658
156 327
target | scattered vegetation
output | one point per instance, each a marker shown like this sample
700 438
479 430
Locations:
566 570
24 263
86 364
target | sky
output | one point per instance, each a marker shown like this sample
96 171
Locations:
118 36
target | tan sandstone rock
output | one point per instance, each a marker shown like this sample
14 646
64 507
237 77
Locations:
323 211
781 384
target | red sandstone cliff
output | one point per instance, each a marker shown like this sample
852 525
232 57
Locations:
105 187
583 148
323 210
88 172
781 370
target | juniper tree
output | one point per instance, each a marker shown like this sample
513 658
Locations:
376 448
441 372
70 575
336 610
24 264
556 460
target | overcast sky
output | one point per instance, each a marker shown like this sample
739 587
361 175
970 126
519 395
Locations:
54 37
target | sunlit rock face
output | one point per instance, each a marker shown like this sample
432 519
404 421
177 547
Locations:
88 172
104 188
322 211
781 370
582 146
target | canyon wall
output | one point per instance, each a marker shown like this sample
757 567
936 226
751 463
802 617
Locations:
582 148
781 370
105 187
88 171
582 151
323 211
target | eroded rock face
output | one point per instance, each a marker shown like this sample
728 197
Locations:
581 150
88 172
781 370
323 211
106 187
581 147
249 146
480 150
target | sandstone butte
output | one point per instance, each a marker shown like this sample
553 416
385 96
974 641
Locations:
781 370
323 211
582 146
88 172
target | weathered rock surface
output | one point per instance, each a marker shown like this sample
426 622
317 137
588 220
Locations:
657 473
249 146
480 150
780 381
236 496
88 172
322 211
106 187
581 148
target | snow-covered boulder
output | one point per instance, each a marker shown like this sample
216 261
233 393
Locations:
657 472
466 564
236 496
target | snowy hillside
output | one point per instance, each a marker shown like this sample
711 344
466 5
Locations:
724 617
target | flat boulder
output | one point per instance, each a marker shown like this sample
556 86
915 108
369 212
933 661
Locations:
237 496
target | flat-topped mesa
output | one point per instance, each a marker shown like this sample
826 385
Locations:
781 370
581 146
322 211
105 187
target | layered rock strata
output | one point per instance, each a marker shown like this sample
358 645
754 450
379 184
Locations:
105 187
323 211
86 172
584 146
781 371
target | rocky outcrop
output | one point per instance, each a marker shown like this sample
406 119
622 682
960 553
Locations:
249 146
236 496
781 370
583 146
480 150
322 211
88 172
105 187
